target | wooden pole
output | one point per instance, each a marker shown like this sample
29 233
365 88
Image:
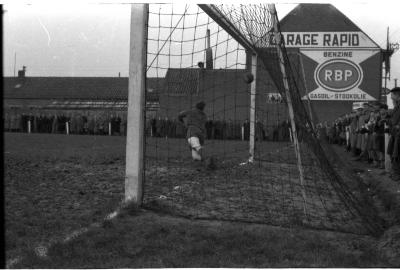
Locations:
290 105
15 62
306 88
253 106
136 96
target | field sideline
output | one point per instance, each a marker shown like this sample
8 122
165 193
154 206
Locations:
55 184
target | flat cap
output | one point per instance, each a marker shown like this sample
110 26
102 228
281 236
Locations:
396 89
200 105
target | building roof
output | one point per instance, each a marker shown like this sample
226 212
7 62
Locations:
78 88
181 81
316 18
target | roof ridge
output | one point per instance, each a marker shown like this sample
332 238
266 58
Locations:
307 17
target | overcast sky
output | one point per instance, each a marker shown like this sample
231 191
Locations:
92 39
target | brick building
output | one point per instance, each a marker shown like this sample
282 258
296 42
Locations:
66 94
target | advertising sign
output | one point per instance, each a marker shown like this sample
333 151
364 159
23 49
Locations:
337 71
338 66
338 74
327 40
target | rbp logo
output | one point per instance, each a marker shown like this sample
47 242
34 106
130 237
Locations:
338 75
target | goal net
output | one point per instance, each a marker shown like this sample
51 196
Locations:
269 166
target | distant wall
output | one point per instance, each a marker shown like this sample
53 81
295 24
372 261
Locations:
224 91
227 96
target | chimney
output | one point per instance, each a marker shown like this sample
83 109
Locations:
209 52
208 39
248 60
21 73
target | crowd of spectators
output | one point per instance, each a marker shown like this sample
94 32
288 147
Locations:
220 129
115 123
361 132
90 122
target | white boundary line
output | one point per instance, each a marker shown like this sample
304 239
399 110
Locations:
42 250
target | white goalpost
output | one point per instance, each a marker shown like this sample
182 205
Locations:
136 96
136 104
253 107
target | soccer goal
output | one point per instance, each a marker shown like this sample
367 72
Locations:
261 158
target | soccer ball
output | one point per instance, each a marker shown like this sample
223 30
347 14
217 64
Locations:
248 78
210 163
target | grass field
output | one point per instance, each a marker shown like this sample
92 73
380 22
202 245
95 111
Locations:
56 184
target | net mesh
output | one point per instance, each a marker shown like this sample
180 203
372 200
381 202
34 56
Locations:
203 53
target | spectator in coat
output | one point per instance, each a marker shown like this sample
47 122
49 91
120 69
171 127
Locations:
394 142
12 122
91 123
246 130
230 130
379 136
73 123
179 129
6 122
354 133
54 124
275 132
209 129
79 123
117 124
49 119
259 131
153 126
171 128
237 130
159 127
167 128
122 124
362 139
219 130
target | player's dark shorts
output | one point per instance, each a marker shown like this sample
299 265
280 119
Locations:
196 132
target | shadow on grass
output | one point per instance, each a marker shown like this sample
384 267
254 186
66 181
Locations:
138 239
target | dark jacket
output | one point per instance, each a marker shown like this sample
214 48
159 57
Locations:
394 126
